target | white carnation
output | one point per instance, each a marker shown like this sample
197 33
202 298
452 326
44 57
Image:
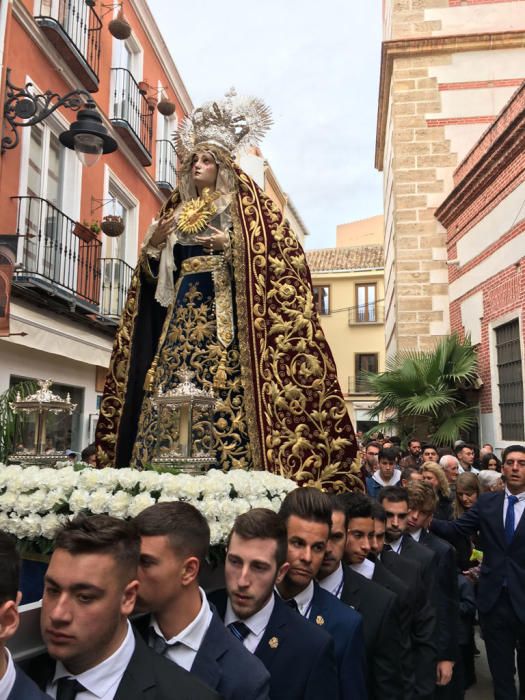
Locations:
139 503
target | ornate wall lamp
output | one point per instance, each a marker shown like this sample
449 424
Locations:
87 136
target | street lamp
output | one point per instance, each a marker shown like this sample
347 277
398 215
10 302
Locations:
87 136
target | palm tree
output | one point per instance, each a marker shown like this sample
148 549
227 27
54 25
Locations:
425 393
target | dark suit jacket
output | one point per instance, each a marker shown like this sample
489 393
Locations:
223 664
25 689
346 627
148 676
501 562
423 556
379 608
299 656
390 571
446 596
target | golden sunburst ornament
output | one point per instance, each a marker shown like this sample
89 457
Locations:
197 213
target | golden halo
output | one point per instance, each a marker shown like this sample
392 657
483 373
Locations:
197 213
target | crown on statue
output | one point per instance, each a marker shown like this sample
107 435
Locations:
232 124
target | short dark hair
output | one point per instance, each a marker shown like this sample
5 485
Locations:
396 440
9 568
184 525
429 446
378 512
458 448
102 534
395 494
407 472
353 505
88 452
373 443
263 524
512 448
307 503
390 453
414 439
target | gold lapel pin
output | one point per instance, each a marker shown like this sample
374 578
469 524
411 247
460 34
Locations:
273 642
319 620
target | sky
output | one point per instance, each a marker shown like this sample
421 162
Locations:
316 64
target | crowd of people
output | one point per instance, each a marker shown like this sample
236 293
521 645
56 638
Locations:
350 596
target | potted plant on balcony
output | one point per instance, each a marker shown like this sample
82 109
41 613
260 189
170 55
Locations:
112 226
152 102
165 107
94 226
82 231
119 27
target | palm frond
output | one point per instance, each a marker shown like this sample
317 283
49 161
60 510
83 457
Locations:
8 418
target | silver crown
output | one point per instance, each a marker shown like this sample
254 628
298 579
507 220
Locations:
233 124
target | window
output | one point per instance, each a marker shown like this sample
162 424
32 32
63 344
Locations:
510 380
322 300
364 362
366 303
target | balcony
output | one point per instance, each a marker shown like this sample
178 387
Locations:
74 28
367 314
58 256
131 115
166 176
116 278
360 385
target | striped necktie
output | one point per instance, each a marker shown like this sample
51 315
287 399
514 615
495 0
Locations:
239 630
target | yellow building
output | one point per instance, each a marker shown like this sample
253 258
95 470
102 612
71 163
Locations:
349 287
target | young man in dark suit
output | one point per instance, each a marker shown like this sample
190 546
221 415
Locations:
422 502
90 589
403 576
500 520
308 516
352 524
175 539
299 656
394 500
14 684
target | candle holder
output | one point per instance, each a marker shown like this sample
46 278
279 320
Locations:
37 417
185 427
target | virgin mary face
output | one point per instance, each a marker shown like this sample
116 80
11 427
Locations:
204 170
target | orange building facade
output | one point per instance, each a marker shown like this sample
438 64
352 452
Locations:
71 279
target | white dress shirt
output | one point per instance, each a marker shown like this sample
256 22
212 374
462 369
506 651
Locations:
257 623
519 507
416 535
365 568
101 681
304 599
333 583
396 545
190 639
8 679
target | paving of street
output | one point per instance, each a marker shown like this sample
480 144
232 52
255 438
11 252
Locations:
483 688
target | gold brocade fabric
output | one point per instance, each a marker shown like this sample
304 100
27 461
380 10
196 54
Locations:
282 408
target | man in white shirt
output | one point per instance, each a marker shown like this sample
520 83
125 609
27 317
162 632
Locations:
90 589
465 455
14 684
175 539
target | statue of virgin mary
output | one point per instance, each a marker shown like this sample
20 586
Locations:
222 288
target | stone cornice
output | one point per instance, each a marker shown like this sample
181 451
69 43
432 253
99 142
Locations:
502 147
158 44
428 46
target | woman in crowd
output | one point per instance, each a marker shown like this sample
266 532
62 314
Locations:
467 492
435 476
490 461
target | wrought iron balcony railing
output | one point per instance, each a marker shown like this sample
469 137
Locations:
74 28
131 115
57 254
366 314
116 278
360 385
166 165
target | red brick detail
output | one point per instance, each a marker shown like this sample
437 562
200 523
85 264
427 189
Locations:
480 84
459 120
459 3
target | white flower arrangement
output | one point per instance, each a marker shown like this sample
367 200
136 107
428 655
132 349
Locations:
36 501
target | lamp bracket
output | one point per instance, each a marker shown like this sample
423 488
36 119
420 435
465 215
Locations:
23 106
100 203
109 7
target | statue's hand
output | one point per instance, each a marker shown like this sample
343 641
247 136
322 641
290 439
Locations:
161 233
216 242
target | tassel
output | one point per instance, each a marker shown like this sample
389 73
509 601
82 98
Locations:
149 379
